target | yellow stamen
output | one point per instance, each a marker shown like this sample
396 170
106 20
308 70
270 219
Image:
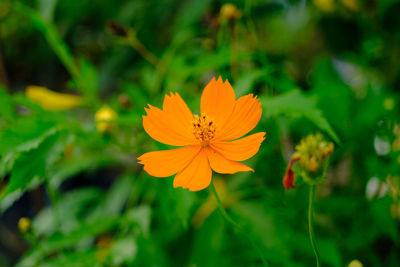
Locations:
203 129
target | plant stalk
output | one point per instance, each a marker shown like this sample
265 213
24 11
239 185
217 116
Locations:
311 223
236 225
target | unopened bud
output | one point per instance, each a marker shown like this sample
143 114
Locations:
117 29
355 263
104 118
24 224
230 12
124 100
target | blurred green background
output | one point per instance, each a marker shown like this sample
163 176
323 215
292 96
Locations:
329 66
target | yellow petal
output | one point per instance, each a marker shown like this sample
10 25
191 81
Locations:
197 175
168 162
241 149
244 118
218 101
52 101
221 164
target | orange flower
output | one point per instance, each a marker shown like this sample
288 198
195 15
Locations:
205 140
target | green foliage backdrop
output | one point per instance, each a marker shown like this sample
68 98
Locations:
317 66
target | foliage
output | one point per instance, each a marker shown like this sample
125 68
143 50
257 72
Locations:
317 66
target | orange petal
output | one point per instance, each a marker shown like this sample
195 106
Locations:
222 165
218 101
166 126
168 162
244 118
197 175
241 149
177 108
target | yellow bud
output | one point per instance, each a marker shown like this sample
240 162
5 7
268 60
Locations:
230 12
104 118
389 103
325 5
350 4
24 224
355 263
50 100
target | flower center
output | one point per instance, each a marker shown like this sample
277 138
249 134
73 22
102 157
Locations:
203 129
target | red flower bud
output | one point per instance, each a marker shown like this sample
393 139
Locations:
288 179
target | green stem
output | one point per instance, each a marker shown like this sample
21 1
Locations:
311 223
236 225
53 195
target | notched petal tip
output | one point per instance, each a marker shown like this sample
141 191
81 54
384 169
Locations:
165 163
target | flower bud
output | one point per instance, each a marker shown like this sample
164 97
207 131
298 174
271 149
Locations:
24 224
104 118
288 179
355 263
230 12
325 5
312 155
117 29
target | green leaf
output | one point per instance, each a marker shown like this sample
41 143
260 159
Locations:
59 241
87 257
124 250
244 84
117 196
90 83
191 12
31 164
7 111
296 104
74 209
141 216
23 135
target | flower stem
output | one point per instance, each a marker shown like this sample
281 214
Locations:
236 225
311 223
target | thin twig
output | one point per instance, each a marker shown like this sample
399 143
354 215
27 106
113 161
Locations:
311 223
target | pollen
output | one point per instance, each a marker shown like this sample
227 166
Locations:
204 129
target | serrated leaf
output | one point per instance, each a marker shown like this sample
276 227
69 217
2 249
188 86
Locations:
22 136
296 104
29 165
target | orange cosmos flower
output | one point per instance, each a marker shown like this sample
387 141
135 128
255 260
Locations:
205 140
